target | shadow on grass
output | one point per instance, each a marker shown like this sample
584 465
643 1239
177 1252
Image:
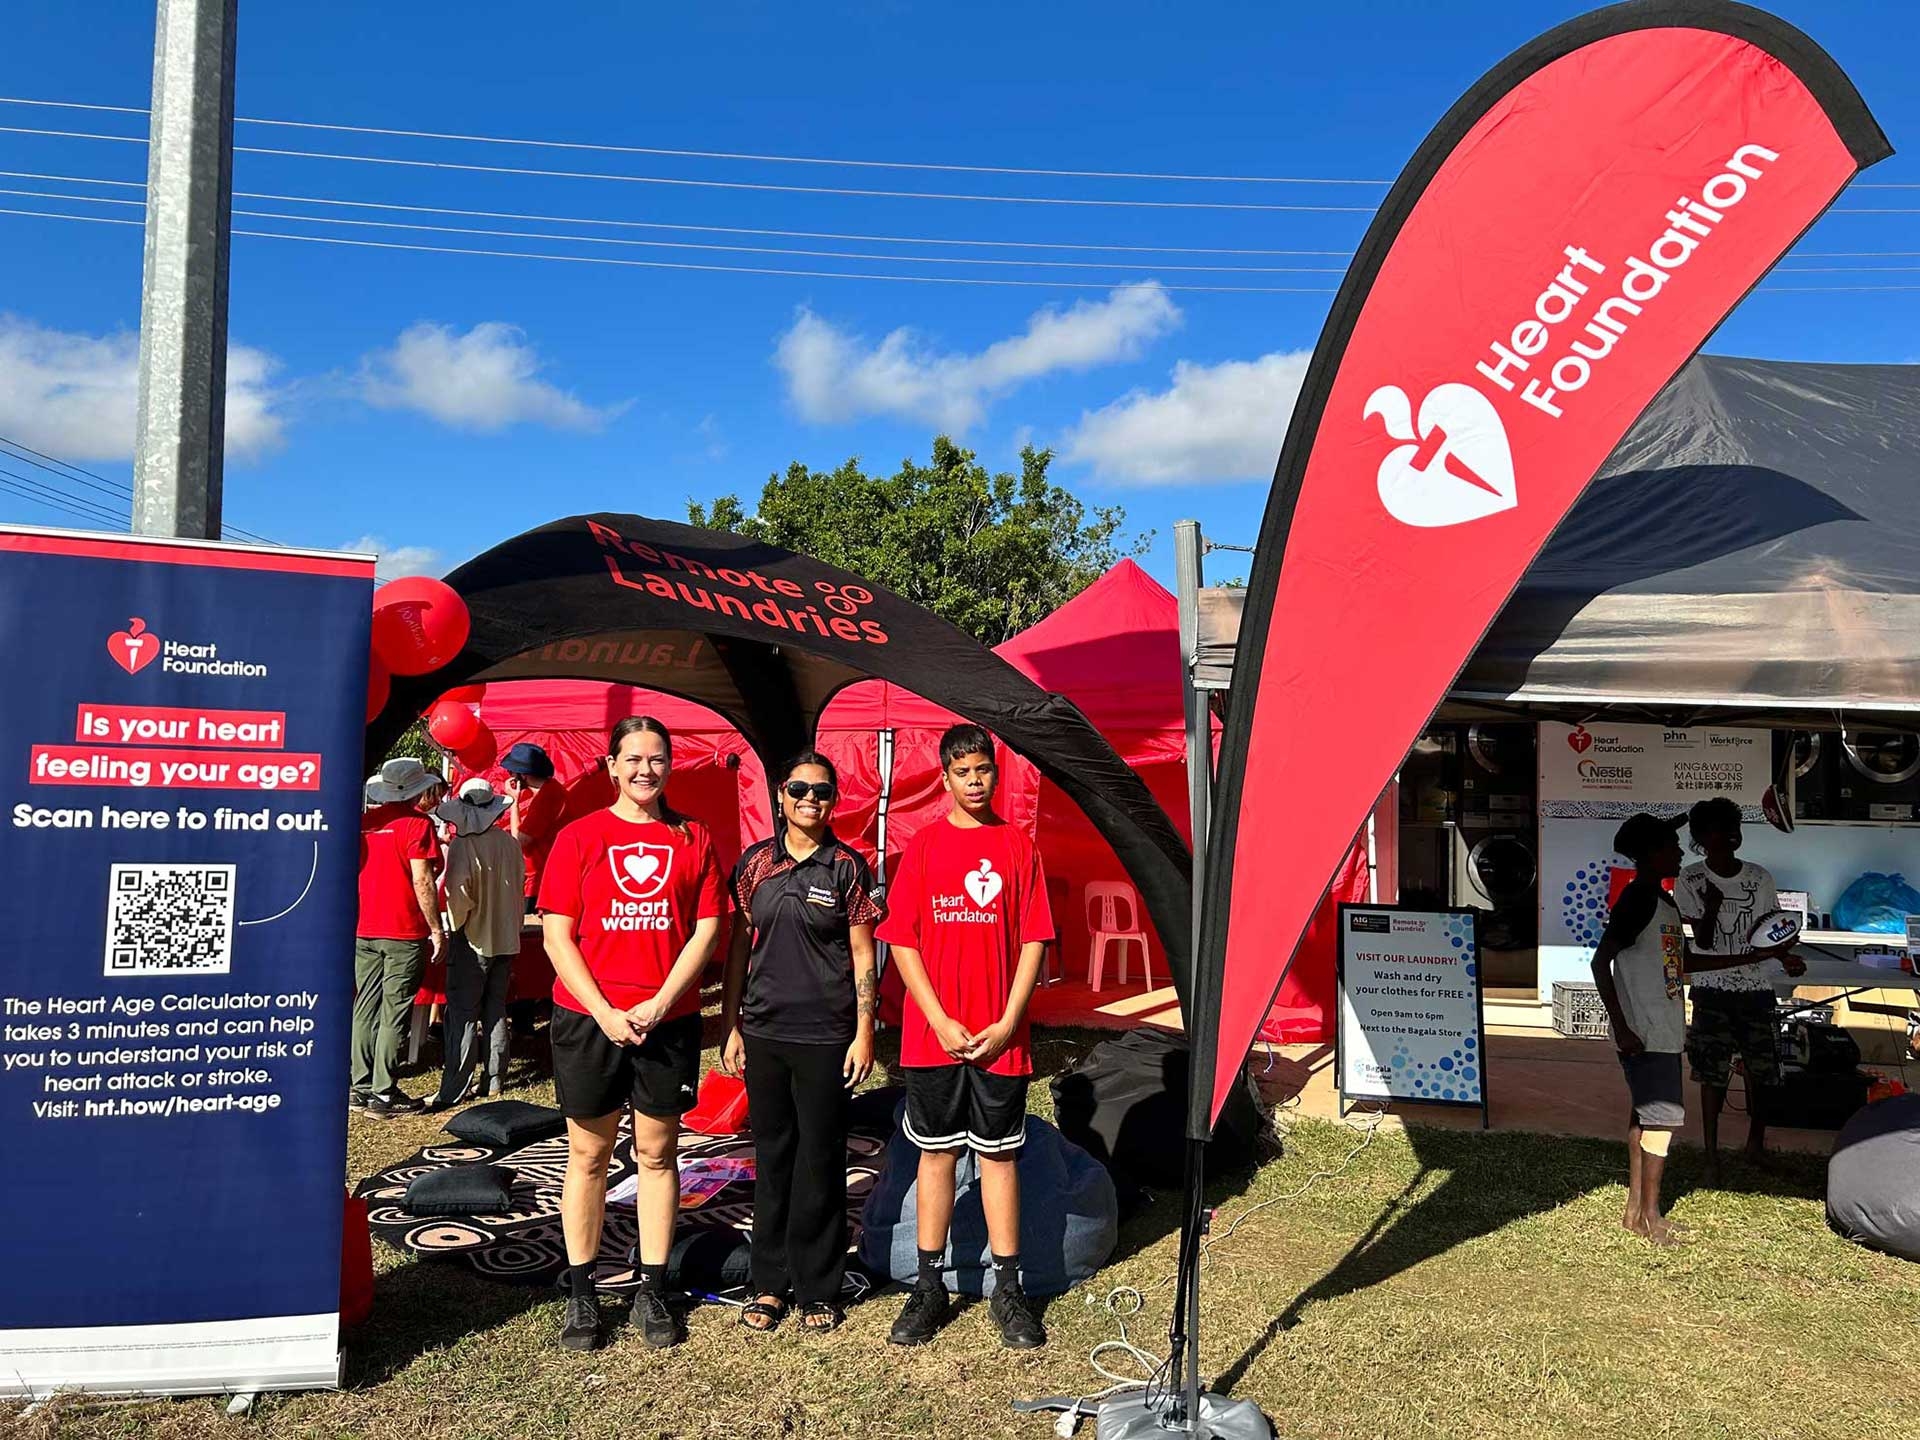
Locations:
1486 1182
426 1306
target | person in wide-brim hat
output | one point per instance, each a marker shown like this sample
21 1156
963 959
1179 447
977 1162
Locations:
476 806
400 780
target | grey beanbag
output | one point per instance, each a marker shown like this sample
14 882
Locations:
1873 1180
1069 1217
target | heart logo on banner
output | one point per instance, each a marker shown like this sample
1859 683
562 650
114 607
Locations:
983 884
134 648
1580 740
1456 467
641 870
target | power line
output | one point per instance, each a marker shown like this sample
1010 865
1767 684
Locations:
730 249
686 265
761 187
759 158
34 490
690 265
119 492
536 218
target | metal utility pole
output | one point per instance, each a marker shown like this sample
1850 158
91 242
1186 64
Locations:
183 298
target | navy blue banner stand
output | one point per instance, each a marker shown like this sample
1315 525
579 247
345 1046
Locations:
180 754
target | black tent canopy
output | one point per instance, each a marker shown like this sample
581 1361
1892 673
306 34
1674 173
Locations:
766 638
1750 549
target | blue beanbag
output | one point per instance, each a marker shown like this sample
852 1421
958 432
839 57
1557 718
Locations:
1069 1217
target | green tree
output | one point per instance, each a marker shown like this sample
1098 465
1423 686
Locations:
990 553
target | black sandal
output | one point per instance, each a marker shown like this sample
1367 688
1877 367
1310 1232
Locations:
763 1316
820 1317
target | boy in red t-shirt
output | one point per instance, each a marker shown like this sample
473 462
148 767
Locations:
968 927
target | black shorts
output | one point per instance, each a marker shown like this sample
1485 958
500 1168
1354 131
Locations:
954 1107
593 1077
1653 1087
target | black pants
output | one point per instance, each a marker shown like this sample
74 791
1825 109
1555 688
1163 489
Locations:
797 1104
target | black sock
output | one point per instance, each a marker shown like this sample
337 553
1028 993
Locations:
930 1269
580 1279
654 1278
1006 1272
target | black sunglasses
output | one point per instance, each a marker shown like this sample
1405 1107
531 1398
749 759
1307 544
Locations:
800 789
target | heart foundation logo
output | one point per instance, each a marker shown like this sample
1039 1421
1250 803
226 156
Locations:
1579 740
641 870
134 648
983 884
1455 467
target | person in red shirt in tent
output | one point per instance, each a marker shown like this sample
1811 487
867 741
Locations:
968 926
397 931
632 901
539 805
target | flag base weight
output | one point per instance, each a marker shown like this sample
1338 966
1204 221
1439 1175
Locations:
1132 1417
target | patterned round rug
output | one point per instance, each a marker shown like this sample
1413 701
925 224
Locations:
524 1246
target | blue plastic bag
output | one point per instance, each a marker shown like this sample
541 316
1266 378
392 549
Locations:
1877 904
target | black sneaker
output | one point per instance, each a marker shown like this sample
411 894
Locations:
658 1326
356 1101
391 1107
1012 1312
925 1312
581 1329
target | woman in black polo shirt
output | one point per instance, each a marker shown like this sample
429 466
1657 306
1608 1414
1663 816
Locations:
801 994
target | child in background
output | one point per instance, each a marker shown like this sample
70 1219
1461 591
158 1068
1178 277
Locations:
1640 970
1733 1010
968 927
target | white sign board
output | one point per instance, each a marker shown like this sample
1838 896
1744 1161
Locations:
1618 769
1410 1020
1591 778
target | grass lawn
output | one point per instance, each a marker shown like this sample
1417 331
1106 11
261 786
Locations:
1444 1283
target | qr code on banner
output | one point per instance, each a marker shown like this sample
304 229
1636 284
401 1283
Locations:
163 919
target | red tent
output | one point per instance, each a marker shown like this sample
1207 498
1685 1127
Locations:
1114 650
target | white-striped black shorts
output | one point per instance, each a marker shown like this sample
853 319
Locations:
962 1107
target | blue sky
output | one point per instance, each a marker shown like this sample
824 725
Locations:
437 403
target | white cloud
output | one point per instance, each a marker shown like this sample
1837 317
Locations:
1216 422
394 561
833 375
75 396
485 380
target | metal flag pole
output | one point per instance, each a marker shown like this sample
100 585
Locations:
1180 1407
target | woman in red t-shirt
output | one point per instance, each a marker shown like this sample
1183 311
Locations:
632 901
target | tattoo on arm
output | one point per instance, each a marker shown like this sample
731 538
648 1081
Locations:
867 987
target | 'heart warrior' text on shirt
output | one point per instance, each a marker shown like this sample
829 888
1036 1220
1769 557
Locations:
635 892
967 900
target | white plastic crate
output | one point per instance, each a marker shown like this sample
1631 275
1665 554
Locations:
1578 1012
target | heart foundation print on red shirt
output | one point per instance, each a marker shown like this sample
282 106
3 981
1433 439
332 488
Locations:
134 648
641 870
984 884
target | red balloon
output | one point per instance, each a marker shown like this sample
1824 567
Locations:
479 753
418 625
379 687
452 726
466 694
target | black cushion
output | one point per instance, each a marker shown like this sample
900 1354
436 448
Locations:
461 1190
506 1124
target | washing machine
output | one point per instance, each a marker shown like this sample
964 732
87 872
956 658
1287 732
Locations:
1495 857
1813 754
1877 775
1498 776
